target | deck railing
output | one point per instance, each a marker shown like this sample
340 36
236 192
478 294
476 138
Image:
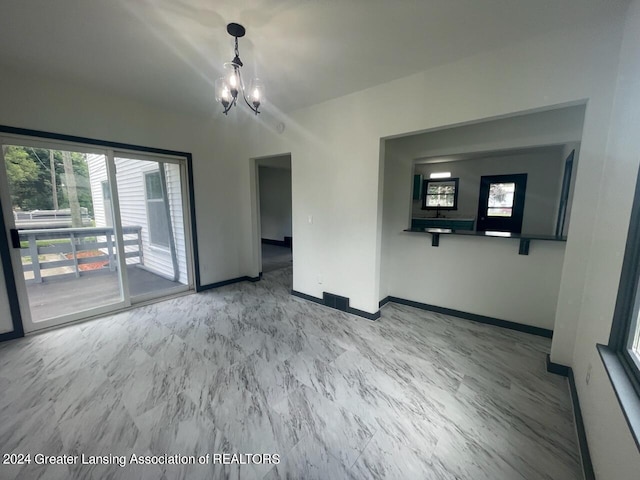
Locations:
86 239
40 219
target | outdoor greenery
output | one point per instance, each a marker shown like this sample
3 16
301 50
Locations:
26 260
54 241
30 179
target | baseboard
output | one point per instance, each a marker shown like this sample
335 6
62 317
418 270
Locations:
363 314
11 335
542 332
304 296
279 243
384 301
353 311
585 456
244 278
557 368
587 466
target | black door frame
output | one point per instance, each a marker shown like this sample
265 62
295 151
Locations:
10 283
511 224
564 194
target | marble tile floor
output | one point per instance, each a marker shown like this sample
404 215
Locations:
275 257
248 368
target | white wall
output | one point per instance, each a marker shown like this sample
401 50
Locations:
53 106
560 126
337 176
612 449
541 195
481 276
335 146
475 276
275 201
529 129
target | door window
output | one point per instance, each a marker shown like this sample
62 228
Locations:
501 203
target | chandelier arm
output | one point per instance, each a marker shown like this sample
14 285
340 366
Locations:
241 85
254 109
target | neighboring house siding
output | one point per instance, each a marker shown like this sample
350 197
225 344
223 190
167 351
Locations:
133 209
174 194
97 174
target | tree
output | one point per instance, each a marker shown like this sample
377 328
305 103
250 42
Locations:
31 179
72 191
27 184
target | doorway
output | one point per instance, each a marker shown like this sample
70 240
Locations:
275 210
501 203
93 230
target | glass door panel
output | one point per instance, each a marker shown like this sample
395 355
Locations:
150 193
67 254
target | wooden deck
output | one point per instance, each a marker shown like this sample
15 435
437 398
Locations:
61 296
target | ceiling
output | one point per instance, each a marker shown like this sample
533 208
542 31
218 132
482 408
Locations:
169 52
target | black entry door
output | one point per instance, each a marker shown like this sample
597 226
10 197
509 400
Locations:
501 203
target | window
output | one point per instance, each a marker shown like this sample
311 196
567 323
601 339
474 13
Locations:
501 199
440 194
156 210
501 203
621 356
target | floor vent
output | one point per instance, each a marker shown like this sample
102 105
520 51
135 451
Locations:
335 301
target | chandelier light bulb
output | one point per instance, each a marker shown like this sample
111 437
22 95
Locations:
233 80
223 94
256 92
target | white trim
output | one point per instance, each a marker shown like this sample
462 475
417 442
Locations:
161 294
117 228
147 157
72 317
98 315
155 246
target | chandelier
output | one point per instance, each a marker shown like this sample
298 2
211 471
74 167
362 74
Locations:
231 85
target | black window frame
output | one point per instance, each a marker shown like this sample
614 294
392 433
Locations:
621 366
425 189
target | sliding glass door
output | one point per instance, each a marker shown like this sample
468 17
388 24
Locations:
152 211
65 264
92 230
